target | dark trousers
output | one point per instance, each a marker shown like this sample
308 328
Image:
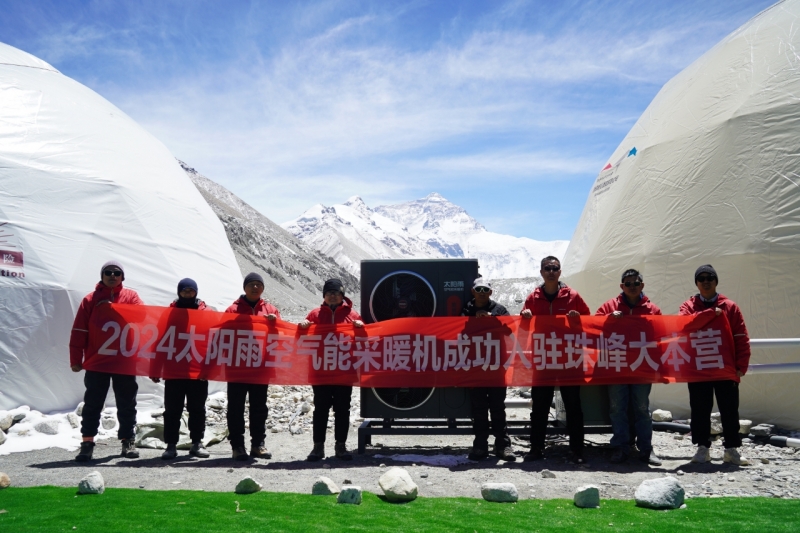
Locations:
125 389
325 397
541 398
194 392
701 401
237 394
486 401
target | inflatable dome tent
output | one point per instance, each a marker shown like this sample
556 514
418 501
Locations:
81 183
710 173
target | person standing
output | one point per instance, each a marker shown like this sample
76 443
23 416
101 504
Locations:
555 298
108 290
335 309
250 303
631 302
194 392
488 400
701 394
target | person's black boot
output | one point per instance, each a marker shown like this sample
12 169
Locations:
85 454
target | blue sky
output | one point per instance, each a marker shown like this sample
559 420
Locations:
509 109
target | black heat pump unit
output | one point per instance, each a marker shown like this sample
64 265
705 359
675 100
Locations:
415 288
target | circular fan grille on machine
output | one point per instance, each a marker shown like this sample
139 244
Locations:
402 294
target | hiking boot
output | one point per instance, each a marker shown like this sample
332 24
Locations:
87 447
703 455
198 450
260 451
129 449
506 453
619 456
317 453
650 458
476 454
240 454
732 456
340 449
534 455
170 453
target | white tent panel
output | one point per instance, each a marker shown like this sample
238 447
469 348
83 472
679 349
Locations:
710 173
81 183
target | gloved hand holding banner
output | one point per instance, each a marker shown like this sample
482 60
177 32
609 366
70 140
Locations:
176 343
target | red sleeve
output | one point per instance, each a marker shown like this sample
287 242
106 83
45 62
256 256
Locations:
605 309
581 306
655 310
686 308
274 310
741 339
355 316
233 308
136 300
528 303
79 337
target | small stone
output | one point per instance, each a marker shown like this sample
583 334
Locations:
762 430
347 482
2 436
745 426
350 494
247 485
108 422
660 415
79 409
92 484
660 493
680 472
764 460
20 413
73 420
678 437
499 492
274 430
326 465
48 427
6 419
5 481
398 486
305 407
548 474
716 424
587 497
141 486
423 474
324 486
383 465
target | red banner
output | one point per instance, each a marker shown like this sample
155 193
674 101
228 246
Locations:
411 352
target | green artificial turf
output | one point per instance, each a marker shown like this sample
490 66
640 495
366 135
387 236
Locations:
117 510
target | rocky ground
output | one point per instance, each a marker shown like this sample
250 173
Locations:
437 463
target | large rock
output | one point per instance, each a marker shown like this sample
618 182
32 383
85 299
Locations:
661 493
762 430
660 415
546 474
350 494
398 486
587 497
92 484
79 409
248 486
716 424
48 427
744 426
108 422
20 413
74 420
2 436
6 419
5 481
324 486
499 492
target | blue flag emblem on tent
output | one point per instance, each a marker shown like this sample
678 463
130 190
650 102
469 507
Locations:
632 152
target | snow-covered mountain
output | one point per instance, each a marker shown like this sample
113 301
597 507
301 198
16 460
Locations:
431 227
293 273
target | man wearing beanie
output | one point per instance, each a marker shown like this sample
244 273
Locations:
108 290
630 398
250 303
701 394
193 392
335 309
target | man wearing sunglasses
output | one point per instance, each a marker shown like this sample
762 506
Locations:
622 398
250 303
701 394
555 298
108 290
488 400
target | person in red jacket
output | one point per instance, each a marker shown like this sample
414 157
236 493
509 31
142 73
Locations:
250 303
631 301
108 290
194 392
335 309
555 298
701 394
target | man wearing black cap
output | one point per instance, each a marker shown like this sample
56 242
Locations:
192 391
701 394
335 309
250 303
486 400
108 290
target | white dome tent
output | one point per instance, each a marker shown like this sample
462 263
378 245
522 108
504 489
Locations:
710 173
81 183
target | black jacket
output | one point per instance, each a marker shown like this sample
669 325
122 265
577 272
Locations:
493 308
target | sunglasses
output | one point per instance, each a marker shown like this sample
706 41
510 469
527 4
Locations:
551 268
482 289
112 273
705 279
632 283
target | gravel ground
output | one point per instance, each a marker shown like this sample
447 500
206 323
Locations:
775 471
